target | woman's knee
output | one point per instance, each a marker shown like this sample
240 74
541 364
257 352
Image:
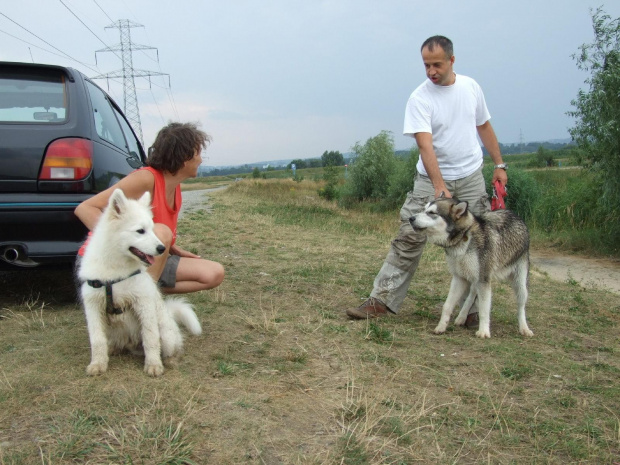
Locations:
215 274
208 275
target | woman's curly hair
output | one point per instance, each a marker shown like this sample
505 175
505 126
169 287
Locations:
175 144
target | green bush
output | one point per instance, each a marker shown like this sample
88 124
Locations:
371 168
570 212
544 159
401 180
330 176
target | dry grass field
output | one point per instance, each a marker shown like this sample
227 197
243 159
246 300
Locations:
280 376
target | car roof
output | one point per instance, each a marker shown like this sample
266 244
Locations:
70 72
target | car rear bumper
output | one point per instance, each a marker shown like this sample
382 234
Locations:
34 232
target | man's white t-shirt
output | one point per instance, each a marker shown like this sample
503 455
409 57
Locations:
450 114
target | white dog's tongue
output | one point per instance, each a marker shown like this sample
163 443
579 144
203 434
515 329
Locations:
150 259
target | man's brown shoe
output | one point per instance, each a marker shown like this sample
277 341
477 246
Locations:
472 321
372 308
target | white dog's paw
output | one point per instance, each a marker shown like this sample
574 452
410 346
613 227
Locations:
526 332
95 369
460 320
172 362
154 369
483 333
440 329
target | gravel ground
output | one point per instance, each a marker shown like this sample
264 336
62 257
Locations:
197 200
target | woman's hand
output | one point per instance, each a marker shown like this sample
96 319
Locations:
176 250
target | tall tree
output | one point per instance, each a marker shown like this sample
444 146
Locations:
597 110
299 164
332 158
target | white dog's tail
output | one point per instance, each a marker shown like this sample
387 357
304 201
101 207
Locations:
183 313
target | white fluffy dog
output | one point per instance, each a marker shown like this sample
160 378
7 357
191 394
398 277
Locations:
123 305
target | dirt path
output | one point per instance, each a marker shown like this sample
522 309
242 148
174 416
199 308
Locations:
589 272
197 200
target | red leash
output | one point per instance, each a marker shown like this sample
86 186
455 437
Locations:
499 192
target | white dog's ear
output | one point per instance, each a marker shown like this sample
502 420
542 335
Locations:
460 209
145 199
118 201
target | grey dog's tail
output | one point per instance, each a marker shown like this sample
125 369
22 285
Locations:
183 313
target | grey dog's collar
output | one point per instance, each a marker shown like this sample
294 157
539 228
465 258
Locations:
109 299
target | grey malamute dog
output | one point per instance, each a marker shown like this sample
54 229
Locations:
478 248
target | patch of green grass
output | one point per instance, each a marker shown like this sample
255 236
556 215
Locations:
229 368
378 334
299 215
74 442
371 357
394 426
516 371
225 368
567 401
337 328
351 451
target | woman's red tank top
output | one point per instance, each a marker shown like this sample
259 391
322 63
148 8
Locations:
162 212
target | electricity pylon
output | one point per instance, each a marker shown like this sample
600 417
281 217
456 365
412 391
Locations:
127 73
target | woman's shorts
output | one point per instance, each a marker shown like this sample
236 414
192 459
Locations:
168 277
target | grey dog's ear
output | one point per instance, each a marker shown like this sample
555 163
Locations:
442 195
460 209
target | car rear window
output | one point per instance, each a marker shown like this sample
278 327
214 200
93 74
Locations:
31 98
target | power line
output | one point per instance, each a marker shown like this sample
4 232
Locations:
83 23
44 41
103 11
28 43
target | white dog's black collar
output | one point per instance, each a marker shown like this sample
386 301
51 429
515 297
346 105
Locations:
109 299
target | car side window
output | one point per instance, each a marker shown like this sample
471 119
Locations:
106 124
132 142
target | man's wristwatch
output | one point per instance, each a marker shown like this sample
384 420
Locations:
501 166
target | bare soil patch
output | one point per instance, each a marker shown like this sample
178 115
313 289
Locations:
595 273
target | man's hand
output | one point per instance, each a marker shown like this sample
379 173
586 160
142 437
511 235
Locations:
445 192
500 175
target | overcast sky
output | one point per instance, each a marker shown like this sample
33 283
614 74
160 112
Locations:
282 79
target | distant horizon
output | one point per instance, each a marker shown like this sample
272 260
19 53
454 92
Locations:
285 161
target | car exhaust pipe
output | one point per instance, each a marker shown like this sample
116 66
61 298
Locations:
17 255
10 255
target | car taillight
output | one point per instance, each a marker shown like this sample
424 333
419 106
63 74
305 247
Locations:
67 160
